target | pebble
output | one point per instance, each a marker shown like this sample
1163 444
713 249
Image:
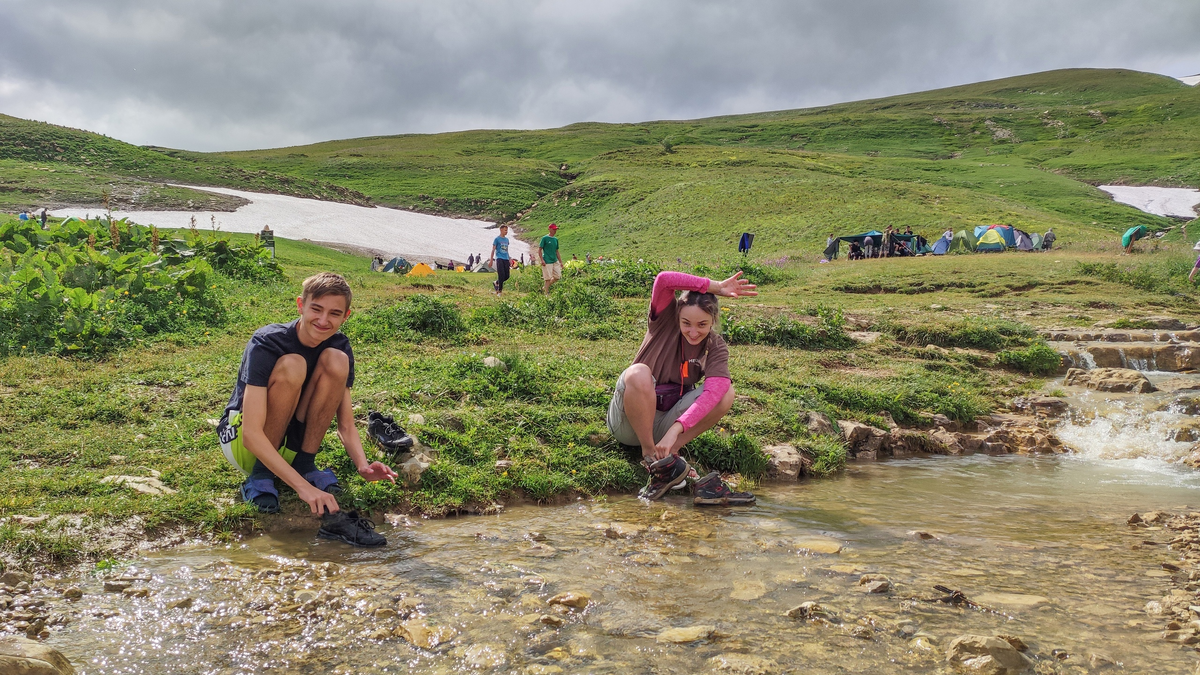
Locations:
576 599
72 593
823 545
116 586
686 634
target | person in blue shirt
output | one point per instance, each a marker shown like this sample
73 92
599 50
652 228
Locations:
500 259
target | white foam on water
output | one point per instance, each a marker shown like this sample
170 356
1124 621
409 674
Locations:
1161 201
418 235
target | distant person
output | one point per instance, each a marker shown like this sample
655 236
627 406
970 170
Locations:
470 260
1132 235
295 379
23 215
869 247
377 263
856 251
1048 239
499 260
831 247
589 258
908 230
1192 274
45 213
522 260
548 258
885 248
574 257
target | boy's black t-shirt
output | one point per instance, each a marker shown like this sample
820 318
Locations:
268 344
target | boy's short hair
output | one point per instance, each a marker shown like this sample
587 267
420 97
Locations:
326 283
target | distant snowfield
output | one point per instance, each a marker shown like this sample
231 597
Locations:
1190 79
1160 201
415 235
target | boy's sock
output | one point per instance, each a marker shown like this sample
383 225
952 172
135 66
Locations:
304 463
260 471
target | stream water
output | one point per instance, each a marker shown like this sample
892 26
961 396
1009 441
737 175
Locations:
1040 540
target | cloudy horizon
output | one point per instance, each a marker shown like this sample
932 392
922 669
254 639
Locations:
231 76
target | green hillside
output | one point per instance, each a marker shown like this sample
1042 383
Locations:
1020 150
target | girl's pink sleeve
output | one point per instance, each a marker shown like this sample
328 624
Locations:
665 285
715 389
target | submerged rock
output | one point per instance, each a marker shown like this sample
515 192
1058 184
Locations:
686 634
1012 600
575 599
986 654
744 664
819 545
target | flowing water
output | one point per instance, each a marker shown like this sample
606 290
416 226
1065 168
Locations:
1049 532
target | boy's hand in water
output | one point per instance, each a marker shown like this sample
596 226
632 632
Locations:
733 287
319 501
377 471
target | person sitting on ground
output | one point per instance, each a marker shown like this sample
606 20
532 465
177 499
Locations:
500 253
856 252
294 379
1132 235
377 263
1048 239
660 403
549 259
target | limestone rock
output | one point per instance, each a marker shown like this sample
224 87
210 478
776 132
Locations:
414 466
811 610
12 578
575 599
784 462
416 419
143 484
420 635
20 656
875 583
948 441
116 586
686 634
940 420
73 593
1025 440
1046 406
1115 380
862 439
986 654
906 443
493 362
819 424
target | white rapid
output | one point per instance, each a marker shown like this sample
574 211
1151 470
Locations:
415 235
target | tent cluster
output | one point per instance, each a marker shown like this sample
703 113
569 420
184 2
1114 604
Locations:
991 238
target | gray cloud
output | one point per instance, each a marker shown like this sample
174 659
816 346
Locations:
230 75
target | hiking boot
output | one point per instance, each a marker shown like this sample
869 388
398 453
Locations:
262 493
384 431
665 474
712 491
351 528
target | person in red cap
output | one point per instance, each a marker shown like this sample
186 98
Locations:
549 258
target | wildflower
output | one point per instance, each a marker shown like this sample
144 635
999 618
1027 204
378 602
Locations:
504 474
725 309
185 311
572 472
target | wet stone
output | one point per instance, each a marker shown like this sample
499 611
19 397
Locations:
72 593
116 586
574 599
687 634
743 664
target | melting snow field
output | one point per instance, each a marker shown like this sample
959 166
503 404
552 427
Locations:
416 235
1160 201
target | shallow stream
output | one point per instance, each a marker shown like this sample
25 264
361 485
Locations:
1048 531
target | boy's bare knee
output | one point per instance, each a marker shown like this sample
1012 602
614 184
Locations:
290 369
334 362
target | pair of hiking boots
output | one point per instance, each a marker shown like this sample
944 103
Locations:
671 473
348 526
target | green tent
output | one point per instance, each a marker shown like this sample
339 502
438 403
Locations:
961 243
1037 241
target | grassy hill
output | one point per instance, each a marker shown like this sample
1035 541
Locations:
1021 150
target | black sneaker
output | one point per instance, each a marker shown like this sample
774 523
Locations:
712 491
384 431
665 474
351 528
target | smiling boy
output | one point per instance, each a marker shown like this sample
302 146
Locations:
294 378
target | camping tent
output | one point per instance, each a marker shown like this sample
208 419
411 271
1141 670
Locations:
397 265
941 246
421 270
962 242
483 267
875 235
1005 232
991 241
1024 243
1036 240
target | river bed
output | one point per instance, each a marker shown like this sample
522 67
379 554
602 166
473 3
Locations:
419 236
1041 541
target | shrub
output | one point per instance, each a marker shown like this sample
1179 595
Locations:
828 454
572 304
1036 359
420 316
968 332
757 273
1167 277
783 331
617 278
736 453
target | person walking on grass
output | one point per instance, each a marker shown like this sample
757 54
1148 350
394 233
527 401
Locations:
549 258
660 403
500 261
294 379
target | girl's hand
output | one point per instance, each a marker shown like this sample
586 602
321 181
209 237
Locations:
733 287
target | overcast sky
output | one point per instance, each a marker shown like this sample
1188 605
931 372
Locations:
239 74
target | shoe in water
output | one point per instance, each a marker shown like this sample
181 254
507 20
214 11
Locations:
384 431
351 528
665 474
712 491
262 493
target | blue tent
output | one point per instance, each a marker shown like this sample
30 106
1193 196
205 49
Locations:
942 245
1005 232
875 235
398 265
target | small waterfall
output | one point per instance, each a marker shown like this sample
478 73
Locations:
1089 361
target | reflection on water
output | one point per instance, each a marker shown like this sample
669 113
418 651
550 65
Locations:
1048 527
